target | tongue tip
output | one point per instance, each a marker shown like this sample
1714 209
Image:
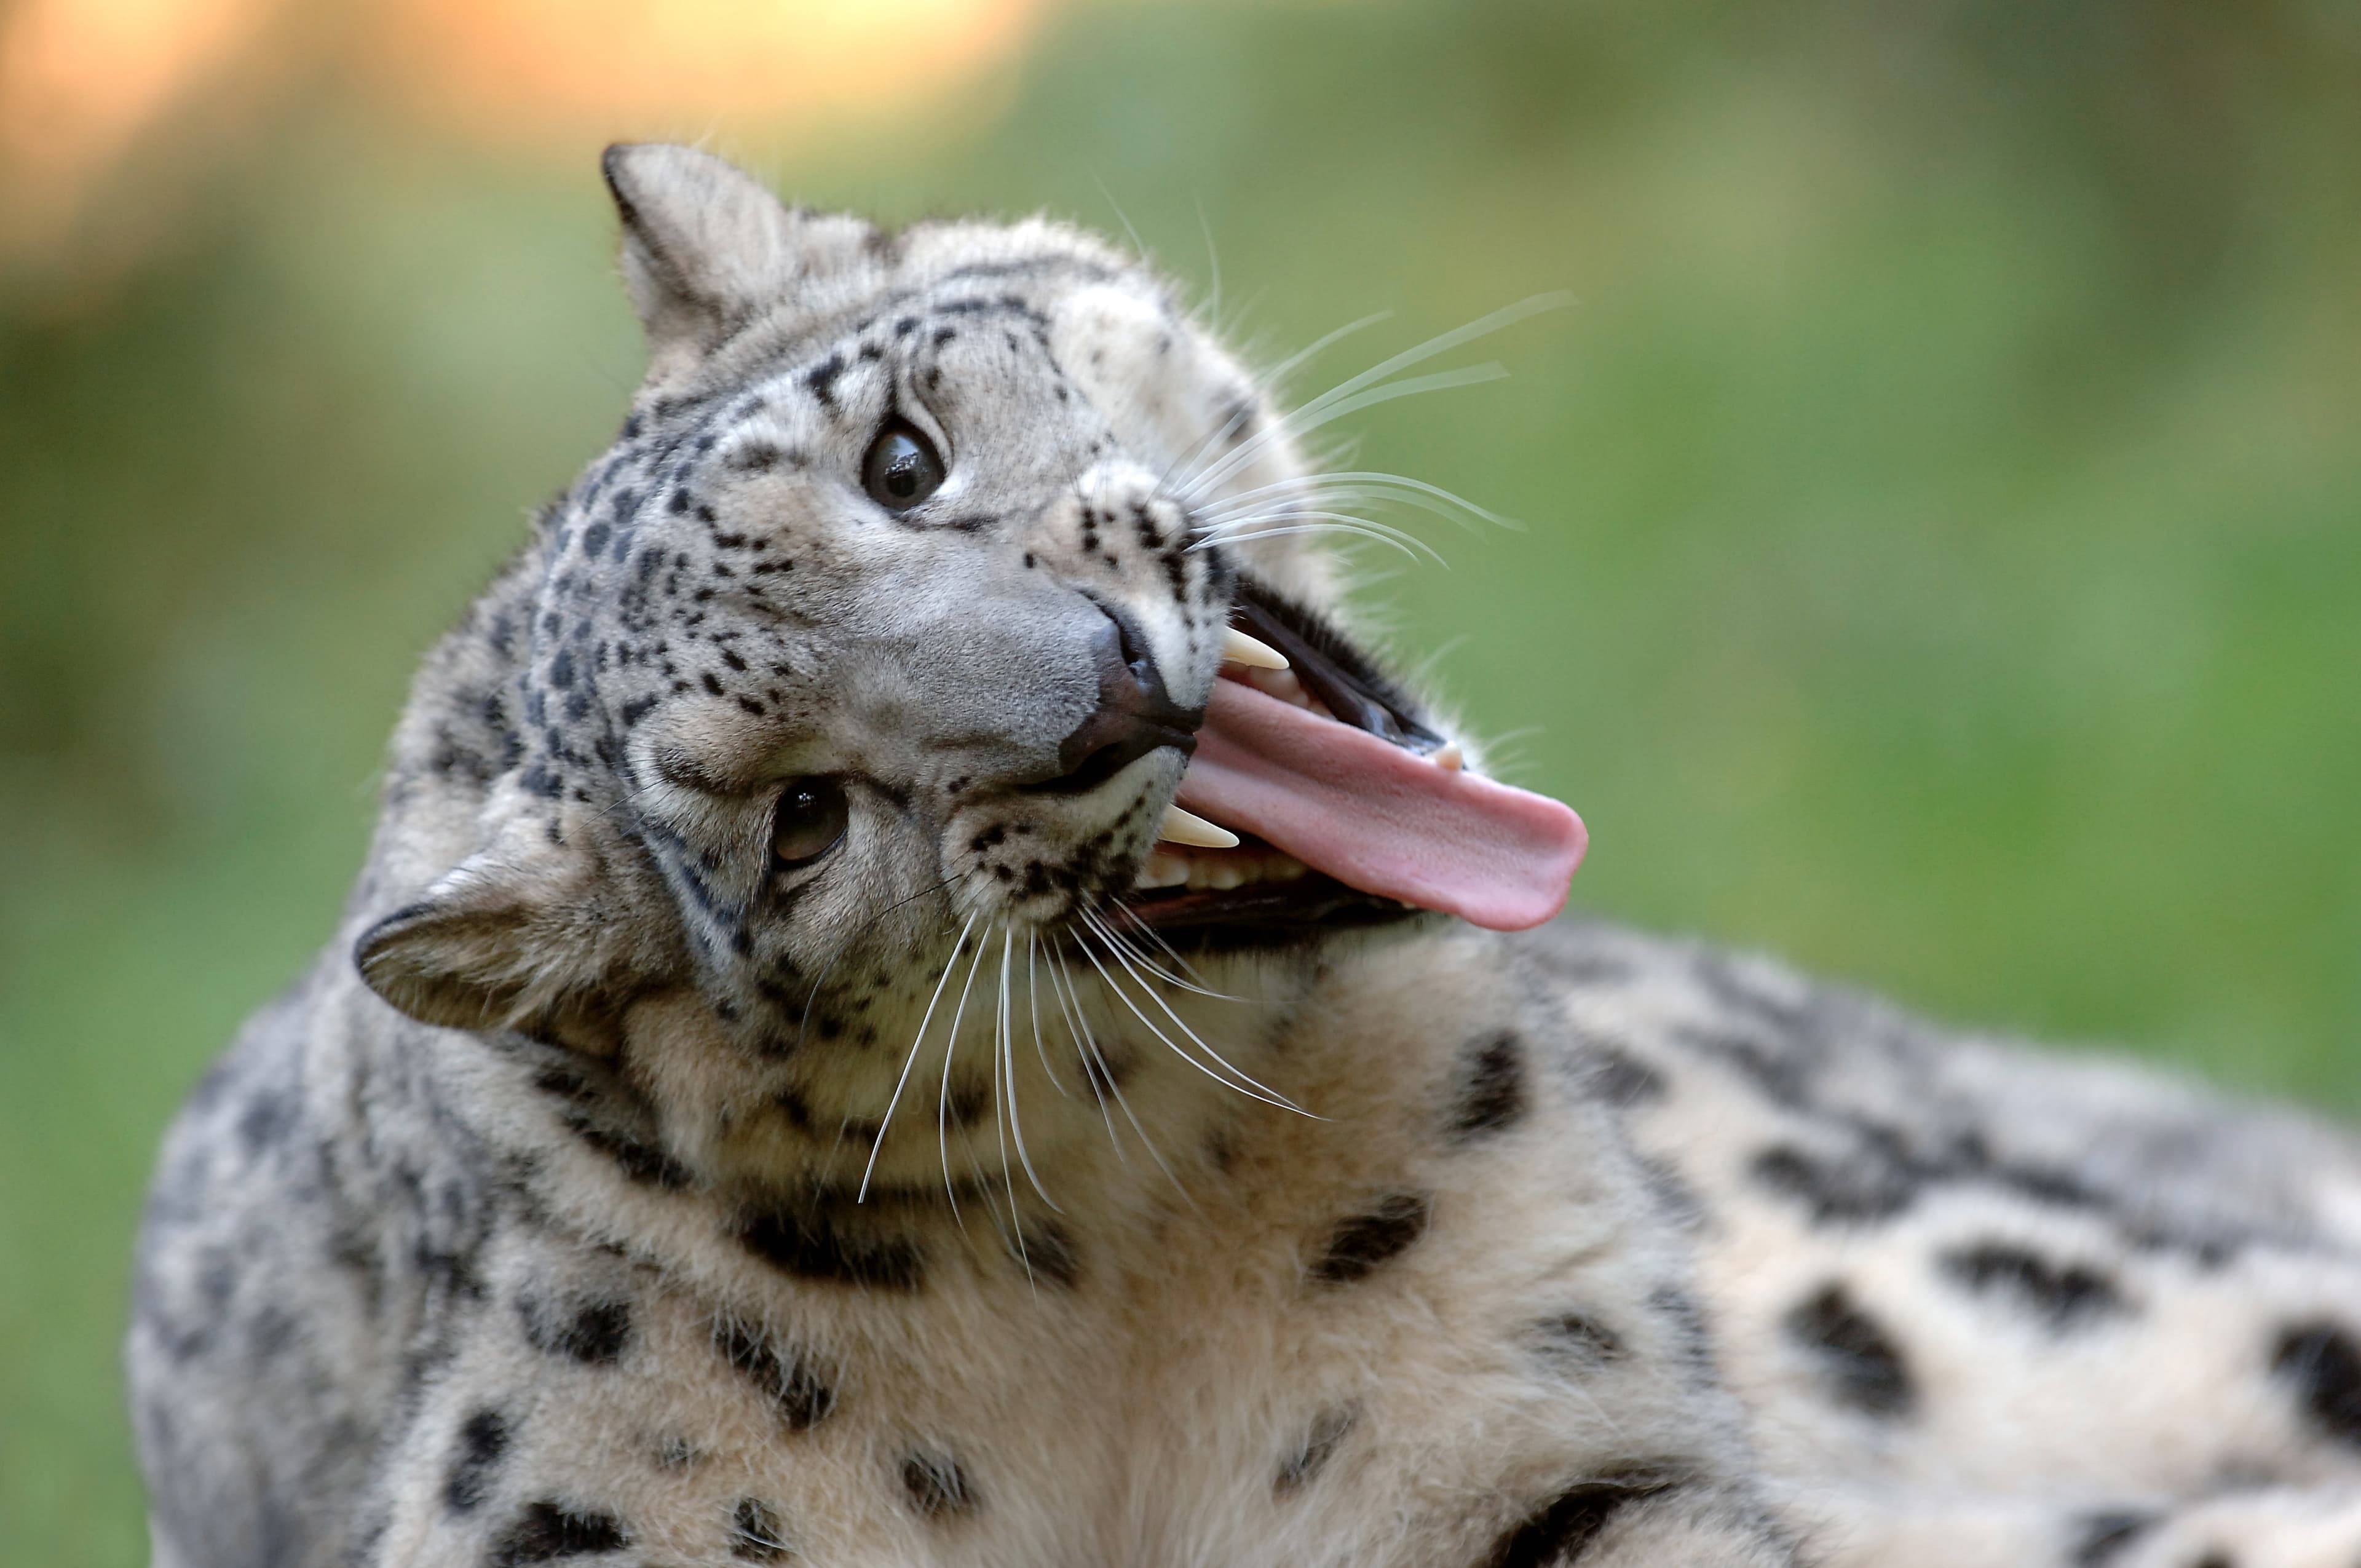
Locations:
1535 900
1377 819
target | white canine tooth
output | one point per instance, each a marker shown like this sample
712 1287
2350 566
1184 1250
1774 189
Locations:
1181 827
1450 759
1237 648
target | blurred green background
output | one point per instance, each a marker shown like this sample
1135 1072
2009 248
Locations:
1943 548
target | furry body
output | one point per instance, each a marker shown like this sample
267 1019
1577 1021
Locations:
641 1197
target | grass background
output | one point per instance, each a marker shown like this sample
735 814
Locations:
1943 559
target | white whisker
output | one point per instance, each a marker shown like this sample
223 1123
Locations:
1413 549
1305 522
1126 954
1320 409
943 1101
1074 1037
1364 484
1003 1110
1240 1085
1151 966
1214 520
1310 417
1033 1002
1303 356
1188 460
1212 259
1289 510
1138 245
1005 1038
910 1061
1106 1074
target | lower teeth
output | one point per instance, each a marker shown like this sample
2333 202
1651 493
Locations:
1218 870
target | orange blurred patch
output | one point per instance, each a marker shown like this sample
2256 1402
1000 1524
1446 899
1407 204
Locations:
606 69
83 81
80 79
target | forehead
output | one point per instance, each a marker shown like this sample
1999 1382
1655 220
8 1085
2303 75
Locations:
901 290
991 319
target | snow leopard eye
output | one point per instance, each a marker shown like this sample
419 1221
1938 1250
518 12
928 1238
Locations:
902 468
809 820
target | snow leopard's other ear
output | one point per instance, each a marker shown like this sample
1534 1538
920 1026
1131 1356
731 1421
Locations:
705 246
541 931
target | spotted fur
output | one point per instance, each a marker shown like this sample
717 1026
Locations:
612 1193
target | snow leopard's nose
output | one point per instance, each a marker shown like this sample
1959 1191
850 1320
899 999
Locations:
1134 714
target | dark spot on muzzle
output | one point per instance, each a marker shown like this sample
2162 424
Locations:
1134 714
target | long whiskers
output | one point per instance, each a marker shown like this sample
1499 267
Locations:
1343 524
1004 1115
1236 1080
1303 356
1128 954
1364 390
1239 417
1107 1075
1141 956
1302 504
1033 1001
1083 1045
1353 485
886 1122
1005 1038
943 1101
1122 965
1314 414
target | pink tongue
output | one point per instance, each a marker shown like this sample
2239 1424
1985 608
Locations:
1380 818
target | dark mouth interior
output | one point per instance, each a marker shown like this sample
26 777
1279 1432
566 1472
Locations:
1332 668
1263 915
1274 913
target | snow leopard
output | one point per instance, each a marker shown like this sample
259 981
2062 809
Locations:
922 995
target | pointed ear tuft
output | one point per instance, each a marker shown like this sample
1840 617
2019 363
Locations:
704 244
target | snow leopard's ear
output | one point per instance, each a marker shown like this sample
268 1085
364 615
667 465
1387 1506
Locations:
705 246
539 931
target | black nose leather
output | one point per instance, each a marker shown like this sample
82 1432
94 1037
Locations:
1135 714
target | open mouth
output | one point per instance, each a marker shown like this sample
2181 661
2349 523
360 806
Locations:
1318 795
